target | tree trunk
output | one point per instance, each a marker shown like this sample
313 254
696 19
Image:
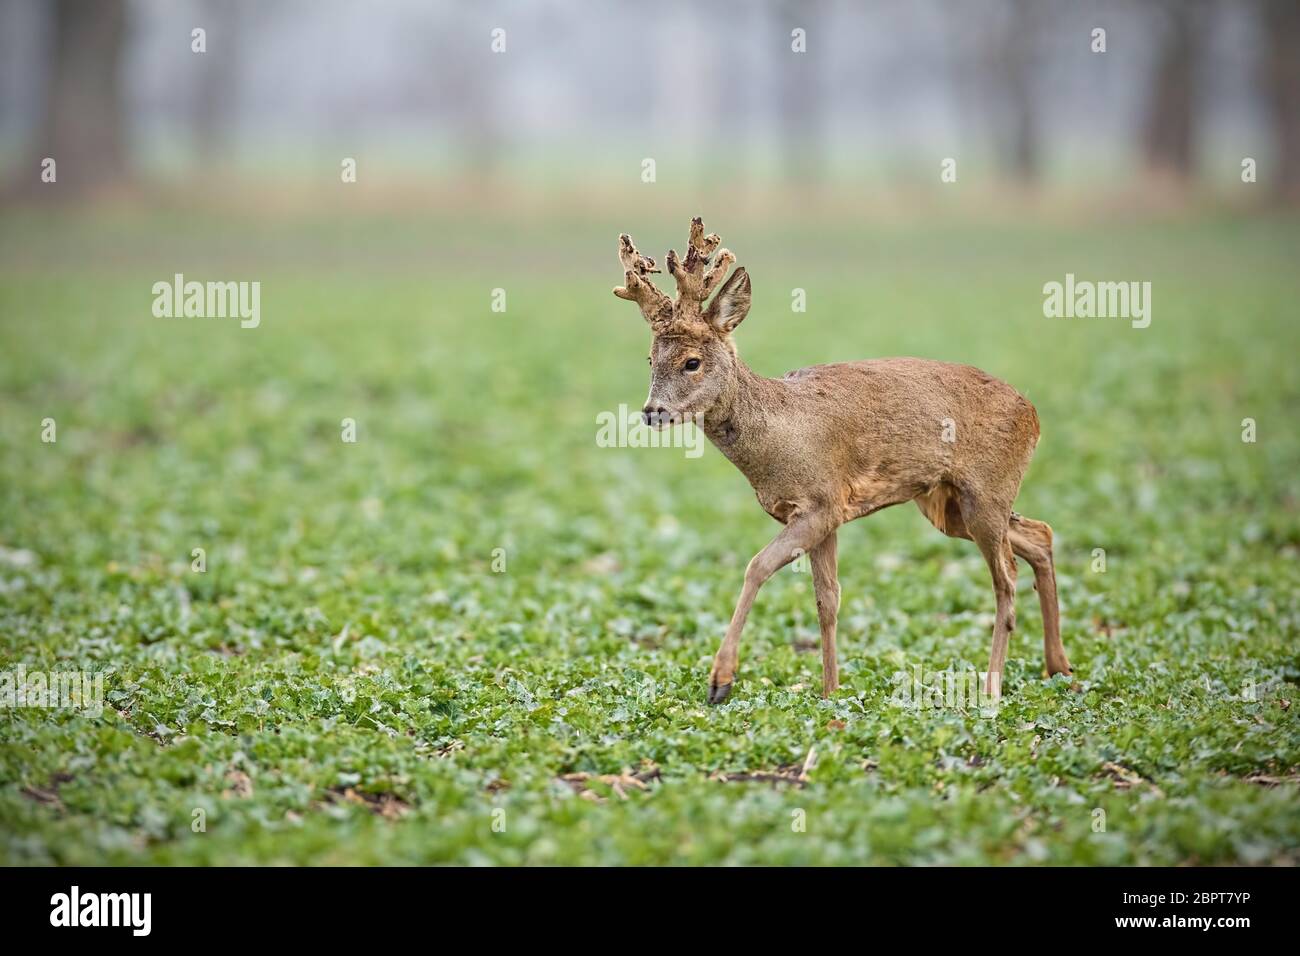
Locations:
1169 131
1019 80
799 101
217 80
83 115
1282 91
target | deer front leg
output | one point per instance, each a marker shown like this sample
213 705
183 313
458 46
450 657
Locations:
826 585
800 536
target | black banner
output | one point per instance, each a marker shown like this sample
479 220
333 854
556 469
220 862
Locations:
336 906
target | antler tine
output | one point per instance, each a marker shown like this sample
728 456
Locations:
637 287
702 244
632 259
692 282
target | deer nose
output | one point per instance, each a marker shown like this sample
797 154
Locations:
650 412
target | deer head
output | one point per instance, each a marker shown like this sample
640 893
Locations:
693 361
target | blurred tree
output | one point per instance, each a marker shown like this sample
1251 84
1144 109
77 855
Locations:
1281 80
998 67
1014 74
1169 124
731 99
82 129
799 97
214 93
466 77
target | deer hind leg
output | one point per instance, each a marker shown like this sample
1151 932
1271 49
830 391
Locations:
802 534
1032 540
825 574
986 522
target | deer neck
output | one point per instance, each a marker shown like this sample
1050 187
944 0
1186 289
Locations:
738 423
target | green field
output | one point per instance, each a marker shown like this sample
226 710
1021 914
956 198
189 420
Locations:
351 680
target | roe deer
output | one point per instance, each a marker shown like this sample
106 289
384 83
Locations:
827 444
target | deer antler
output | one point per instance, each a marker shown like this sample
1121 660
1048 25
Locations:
696 278
690 275
637 286
693 283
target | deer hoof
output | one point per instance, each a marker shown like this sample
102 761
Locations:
719 692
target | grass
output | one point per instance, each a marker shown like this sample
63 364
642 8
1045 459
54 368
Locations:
355 678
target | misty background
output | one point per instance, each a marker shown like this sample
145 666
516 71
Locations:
584 92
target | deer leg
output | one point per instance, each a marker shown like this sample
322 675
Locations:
826 585
1032 540
988 529
800 536
997 556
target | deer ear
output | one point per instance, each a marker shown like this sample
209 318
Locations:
730 306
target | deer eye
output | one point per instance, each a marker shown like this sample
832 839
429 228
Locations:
691 364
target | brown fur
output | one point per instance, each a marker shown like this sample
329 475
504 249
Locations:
824 445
